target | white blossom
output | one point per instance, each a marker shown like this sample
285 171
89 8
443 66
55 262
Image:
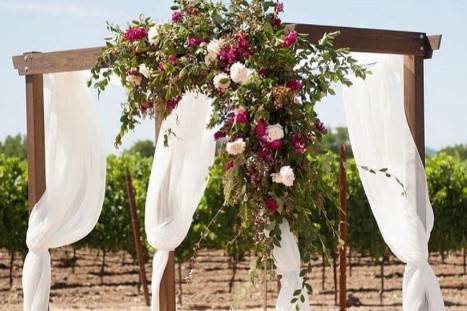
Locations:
144 70
285 176
240 74
153 35
221 81
236 147
274 132
215 46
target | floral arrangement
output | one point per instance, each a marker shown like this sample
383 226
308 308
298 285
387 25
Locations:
264 79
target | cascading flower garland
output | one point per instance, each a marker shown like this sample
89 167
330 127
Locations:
264 79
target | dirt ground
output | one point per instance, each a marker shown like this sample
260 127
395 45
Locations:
83 289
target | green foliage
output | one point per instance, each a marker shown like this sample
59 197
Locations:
13 204
113 230
457 151
447 184
14 146
145 148
364 235
334 138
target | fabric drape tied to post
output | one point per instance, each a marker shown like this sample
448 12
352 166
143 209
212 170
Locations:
75 181
381 139
287 260
178 179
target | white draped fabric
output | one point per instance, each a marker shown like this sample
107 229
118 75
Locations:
381 138
75 181
178 179
287 260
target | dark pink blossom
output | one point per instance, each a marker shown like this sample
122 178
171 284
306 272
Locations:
290 39
297 143
275 144
145 106
229 165
172 59
177 16
276 21
241 117
194 41
171 104
227 55
279 7
161 67
242 46
271 204
219 134
319 126
135 33
295 85
265 154
264 72
230 118
260 129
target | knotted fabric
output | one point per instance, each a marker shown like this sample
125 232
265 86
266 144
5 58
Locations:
381 139
178 179
75 181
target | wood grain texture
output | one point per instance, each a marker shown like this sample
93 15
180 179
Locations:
35 138
356 39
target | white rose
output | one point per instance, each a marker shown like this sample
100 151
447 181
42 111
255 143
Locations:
240 74
236 147
210 59
153 35
215 46
287 176
274 132
144 70
222 81
277 178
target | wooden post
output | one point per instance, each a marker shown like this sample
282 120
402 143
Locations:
415 113
167 292
136 236
35 137
342 231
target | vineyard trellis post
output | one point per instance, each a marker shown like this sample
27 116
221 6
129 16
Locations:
416 47
342 230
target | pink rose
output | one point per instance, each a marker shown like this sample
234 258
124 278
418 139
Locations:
135 33
295 85
177 16
279 7
271 205
290 39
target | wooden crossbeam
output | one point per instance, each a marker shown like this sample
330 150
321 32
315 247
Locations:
356 39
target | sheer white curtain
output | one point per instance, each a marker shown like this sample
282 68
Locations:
178 179
75 181
381 138
287 260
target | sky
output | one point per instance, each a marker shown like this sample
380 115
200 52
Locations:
49 25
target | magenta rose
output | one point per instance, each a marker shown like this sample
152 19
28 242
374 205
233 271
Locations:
290 39
172 59
271 205
260 129
275 144
295 85
241 117
194 41
276 22
135 34
227 55
177 16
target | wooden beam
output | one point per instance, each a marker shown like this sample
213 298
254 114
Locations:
342 230
435 42
167 292
35 138
415 114
356 39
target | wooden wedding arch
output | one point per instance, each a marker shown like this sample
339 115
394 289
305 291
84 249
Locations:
415 46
